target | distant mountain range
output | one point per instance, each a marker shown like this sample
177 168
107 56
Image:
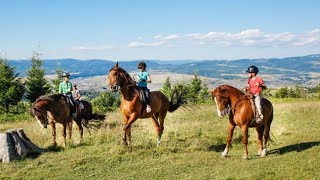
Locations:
304 70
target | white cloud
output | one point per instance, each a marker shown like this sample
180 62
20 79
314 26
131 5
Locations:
94 48
246 38
143 44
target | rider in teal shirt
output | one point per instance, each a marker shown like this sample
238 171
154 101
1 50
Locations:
144 78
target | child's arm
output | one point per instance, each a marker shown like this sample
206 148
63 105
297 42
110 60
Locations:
148 79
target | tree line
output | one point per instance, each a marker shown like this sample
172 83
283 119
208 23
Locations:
16 92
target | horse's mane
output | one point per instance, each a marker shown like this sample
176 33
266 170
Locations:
124 72
232 90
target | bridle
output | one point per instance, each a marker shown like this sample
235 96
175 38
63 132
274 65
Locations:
118 85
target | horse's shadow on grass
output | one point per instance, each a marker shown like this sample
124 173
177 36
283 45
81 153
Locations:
217 148
294 147
283 150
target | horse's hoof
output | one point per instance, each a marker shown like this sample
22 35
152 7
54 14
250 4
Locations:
263 153
158 142
224 154
245 157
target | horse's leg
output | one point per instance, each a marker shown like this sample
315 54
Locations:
53 127
158 129
266 138
162 116
80 128
260 130
69 126
245 141
129 135
64 134
229 139
133 117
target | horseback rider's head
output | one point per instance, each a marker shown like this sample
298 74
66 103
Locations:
252 70
65 76
142 66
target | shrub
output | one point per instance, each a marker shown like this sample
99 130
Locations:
106 101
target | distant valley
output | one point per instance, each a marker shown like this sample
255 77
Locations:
92 74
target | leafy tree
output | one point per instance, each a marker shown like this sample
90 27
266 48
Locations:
282 93
296 92
36 84
166 88
57 81
11 89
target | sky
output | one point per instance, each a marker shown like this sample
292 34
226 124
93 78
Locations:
159 30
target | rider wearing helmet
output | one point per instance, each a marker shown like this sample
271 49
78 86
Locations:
255 86
65 88
144 78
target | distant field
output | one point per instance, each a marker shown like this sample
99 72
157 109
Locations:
191 146
99 83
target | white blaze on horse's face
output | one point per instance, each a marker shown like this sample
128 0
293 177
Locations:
222 108
42 123
113 78
41 116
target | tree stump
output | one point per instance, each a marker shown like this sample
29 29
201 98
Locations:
15 144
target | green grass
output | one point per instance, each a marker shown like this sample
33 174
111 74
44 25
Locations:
191 146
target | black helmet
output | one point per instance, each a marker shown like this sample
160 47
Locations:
252 69
65 74
142 65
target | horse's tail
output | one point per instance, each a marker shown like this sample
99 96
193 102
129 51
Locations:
96 116
177 99
87 112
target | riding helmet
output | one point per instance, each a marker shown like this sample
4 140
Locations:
252 69
142 65
65 74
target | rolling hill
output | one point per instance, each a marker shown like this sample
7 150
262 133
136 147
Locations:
290 71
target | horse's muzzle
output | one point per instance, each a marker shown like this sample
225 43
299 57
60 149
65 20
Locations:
224 112
114 88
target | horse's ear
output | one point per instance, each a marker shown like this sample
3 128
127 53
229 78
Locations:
117 65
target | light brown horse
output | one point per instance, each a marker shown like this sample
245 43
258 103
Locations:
52 109
231 101
133 108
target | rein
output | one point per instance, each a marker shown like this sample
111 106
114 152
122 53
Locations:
245 97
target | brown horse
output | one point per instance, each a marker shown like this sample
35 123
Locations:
232 101
133 108
52 109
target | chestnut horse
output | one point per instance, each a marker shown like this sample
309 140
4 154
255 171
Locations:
231 101
52 109
133 108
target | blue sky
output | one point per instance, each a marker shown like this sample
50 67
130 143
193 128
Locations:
163 29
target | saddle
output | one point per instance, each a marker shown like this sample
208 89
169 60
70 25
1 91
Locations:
142 95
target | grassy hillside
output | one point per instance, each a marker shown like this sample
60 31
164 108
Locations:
191 146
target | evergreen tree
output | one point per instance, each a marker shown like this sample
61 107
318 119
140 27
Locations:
198 90
36 84
166 88
11 89
58 79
